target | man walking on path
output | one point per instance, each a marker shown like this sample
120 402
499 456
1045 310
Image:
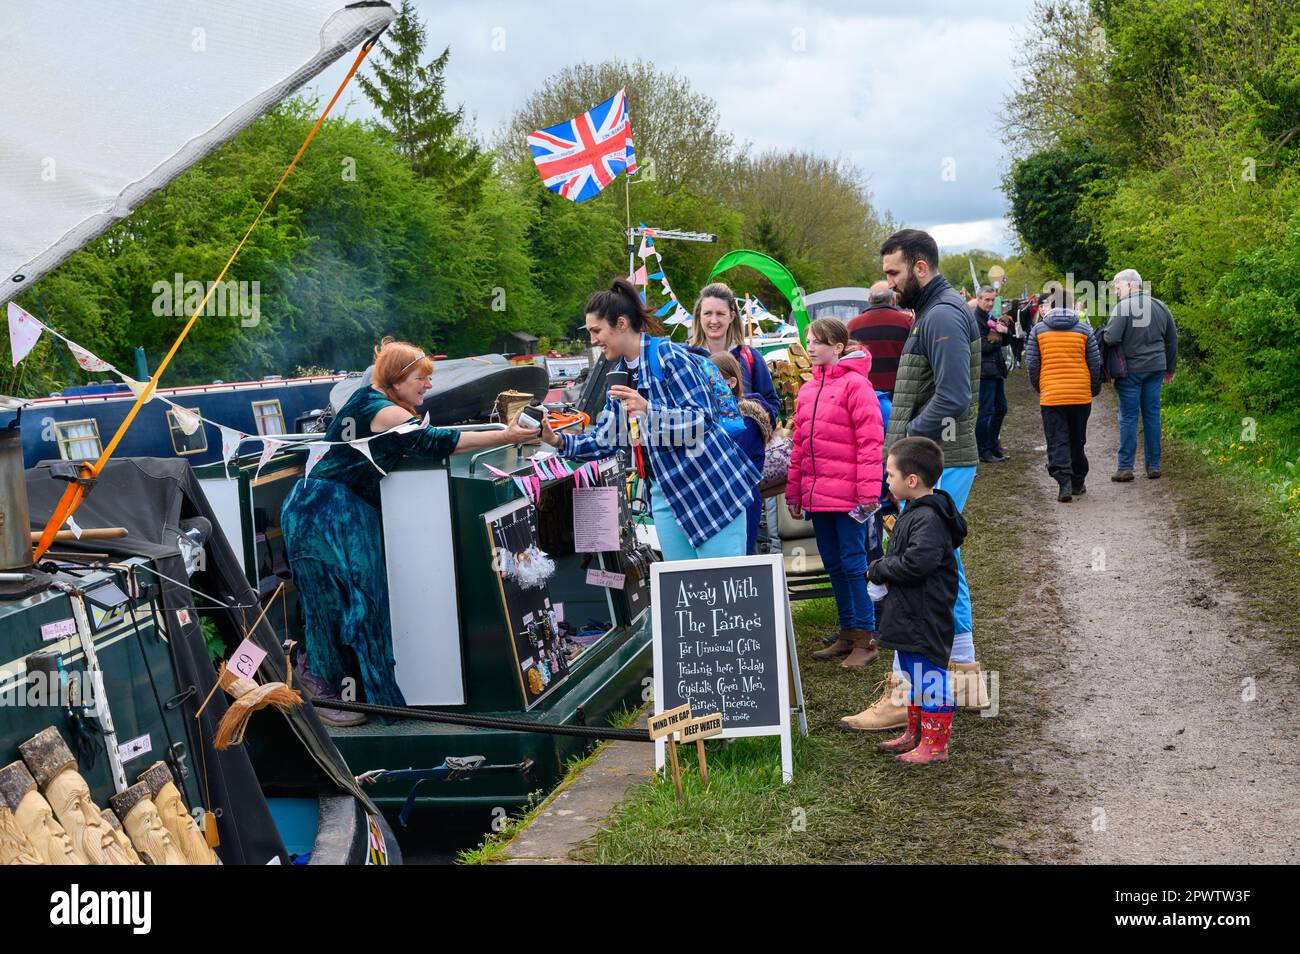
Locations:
1144 329
933 398
1064 365
995 335
882 329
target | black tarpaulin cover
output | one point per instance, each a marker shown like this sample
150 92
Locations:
149 497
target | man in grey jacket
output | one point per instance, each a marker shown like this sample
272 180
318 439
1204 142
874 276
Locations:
1144 329
934 397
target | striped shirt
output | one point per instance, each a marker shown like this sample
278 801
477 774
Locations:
706 479
883 332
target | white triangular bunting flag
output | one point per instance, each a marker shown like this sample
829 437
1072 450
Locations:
314 453
73 526
139 387
88 361
229 446
24 332
364 448
269 447
188 421
425 422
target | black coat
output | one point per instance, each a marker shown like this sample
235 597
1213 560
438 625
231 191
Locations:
991 365
920 567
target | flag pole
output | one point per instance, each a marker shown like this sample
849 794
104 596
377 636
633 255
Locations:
627 207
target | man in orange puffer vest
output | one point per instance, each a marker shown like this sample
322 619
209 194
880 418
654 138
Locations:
1064 365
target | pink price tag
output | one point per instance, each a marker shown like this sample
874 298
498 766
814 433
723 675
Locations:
58 629
246 659
614 581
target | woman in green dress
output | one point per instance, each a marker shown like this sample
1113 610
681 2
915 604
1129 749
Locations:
332 527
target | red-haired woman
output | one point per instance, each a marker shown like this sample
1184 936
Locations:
332 527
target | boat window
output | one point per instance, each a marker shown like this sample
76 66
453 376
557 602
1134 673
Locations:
269 417
78 440
183 443
843 310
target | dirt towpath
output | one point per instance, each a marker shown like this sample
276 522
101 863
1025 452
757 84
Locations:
1169 724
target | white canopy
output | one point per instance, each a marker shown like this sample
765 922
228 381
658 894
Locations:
106 101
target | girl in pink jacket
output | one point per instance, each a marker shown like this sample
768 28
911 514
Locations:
835 473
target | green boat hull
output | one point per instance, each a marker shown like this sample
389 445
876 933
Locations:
611 683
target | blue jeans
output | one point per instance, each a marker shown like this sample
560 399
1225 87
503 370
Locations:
930 687
675 545
842 543
753 514
1139 393
993 410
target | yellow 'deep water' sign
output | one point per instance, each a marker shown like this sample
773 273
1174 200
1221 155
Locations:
699 729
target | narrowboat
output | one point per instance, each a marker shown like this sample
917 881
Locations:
103 658
471 637
74 424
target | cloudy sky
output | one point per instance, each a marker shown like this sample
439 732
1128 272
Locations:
908 91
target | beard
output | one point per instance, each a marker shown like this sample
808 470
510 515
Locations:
909 291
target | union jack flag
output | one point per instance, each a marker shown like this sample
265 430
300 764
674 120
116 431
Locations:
580 157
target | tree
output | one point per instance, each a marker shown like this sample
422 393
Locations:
679 138
811 213
411 98
1047 191
1060 90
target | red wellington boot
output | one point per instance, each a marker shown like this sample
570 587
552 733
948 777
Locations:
935 729
909 740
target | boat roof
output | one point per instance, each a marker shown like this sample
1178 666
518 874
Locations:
192 390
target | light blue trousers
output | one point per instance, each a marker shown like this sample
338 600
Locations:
731 540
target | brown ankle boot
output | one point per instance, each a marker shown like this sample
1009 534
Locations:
887 712
841 647
864 651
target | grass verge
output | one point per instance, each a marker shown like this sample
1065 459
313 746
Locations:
847 803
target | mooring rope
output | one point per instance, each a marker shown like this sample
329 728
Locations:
485 722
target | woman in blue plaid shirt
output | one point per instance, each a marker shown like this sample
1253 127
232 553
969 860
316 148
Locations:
700 481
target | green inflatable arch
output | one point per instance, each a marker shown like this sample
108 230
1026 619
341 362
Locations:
774 272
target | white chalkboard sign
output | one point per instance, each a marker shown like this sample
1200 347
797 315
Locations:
723 642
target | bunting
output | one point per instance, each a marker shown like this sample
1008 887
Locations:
24 331
671 310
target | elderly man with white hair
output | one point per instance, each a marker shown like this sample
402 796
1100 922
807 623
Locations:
1142 327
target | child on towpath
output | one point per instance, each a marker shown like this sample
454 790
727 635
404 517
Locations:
919 571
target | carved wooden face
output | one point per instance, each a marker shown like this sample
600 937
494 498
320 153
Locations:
146 816
37 819
14 845
69 795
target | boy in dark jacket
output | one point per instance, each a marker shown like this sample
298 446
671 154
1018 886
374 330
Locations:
919 575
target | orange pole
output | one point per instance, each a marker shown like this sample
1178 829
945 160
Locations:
76 492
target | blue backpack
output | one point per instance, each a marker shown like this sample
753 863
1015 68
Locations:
725 408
